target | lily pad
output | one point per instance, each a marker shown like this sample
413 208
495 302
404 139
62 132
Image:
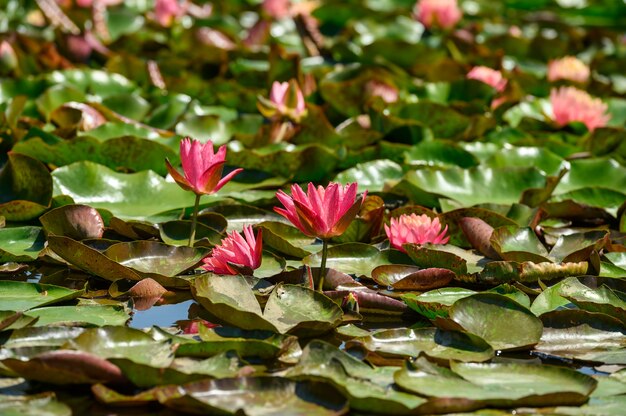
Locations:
357 258
436 343
411 277
254 395
368 389
21 244
26 188
74 221
491 384
289 308
21 296
490 315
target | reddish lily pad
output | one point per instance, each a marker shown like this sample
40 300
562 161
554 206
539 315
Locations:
411 277
74 221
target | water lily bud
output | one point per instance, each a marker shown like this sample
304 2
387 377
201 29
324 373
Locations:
286 100
488 76
8 57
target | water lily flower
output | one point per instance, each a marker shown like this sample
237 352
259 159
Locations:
236 253
570 104
437 13
202 167
568 68
202 170
321 212
415 229
286 100
488 76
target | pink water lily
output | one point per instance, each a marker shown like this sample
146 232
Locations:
438 13
568 68
415 229
321 212
236 253
166 11
570 104
488 76
286 100
202 167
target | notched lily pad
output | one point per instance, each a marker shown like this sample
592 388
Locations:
290 308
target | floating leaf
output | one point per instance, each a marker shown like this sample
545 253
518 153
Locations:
436 343
21 296
77 222
26 188
465 384
21 244
254 395
490 315
368 389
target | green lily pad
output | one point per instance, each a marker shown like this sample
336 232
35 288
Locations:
286 239
181 370
127 196
357 258
491 384
489 316
368 389
432 256
21 296
371 176
150 258
578 247
176 233
89 259
26 188
436 303
21 244
81 315
478 185
123 342
290 308
518 244
442 153
252 343
582 335
254 395
436 343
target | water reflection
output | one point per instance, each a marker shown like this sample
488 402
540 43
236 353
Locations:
162 315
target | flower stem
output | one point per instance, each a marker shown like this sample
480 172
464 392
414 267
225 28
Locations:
194 221
323 265
281 132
